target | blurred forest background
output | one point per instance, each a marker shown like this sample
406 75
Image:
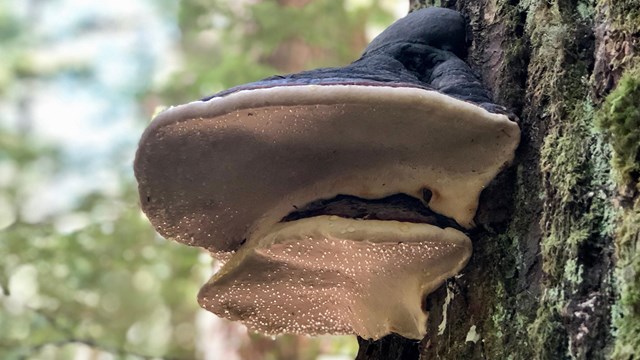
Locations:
82 273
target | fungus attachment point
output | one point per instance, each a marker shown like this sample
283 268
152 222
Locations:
338 198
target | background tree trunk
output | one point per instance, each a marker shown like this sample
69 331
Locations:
556 266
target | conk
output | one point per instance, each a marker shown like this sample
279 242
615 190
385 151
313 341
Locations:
338 198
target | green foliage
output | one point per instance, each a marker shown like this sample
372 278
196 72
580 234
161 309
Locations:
106 284
226 45
93 272
332 34
94 275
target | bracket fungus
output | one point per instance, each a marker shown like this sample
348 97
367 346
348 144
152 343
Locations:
337 198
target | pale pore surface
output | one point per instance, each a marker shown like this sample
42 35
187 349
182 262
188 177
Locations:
213 173
330 275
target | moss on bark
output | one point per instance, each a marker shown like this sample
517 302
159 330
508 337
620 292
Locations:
619 118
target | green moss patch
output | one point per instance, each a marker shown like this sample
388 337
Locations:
626 313
576 215
619 119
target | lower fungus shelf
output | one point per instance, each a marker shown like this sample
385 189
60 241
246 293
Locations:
330 275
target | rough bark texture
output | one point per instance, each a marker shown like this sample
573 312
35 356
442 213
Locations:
556 266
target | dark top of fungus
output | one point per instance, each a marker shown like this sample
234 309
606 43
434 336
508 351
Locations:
421 50
440 28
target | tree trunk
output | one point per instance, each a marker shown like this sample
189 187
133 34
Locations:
555 271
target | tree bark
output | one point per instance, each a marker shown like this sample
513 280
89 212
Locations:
555 271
